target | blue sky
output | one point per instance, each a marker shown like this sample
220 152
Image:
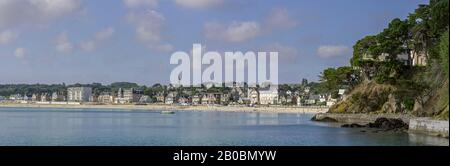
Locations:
85 41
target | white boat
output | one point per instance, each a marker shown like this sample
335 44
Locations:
167 112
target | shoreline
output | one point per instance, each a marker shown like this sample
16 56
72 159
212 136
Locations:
161 107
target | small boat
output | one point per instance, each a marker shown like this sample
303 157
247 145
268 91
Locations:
167 112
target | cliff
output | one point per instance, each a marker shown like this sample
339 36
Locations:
374 98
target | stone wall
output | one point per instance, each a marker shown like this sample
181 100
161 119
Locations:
416 125
361 119
429 126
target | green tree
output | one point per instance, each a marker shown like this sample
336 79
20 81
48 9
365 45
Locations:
443 52
439 16
333 79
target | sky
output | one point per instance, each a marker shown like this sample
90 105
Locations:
86 41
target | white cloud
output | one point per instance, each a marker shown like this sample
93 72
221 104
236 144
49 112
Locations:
235 32
149 25
18 12
20 52
63 44
329 51
88 45
280 18
98 39
140 3
7 36
199 4
163 48
285 53
104 34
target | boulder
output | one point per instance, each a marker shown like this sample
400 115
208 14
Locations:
353 125
324 119
388 124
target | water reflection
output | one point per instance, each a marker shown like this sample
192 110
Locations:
428 140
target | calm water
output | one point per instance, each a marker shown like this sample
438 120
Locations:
25 126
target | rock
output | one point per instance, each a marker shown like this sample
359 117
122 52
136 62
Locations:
328 119
417 106
385 124
391 105
353 125
324 119
388 124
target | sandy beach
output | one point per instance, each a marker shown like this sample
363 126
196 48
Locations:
161 107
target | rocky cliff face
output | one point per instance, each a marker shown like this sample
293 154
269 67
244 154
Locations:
368 97
371 97
436 105
433 102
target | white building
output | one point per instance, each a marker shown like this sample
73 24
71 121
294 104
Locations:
79 94
322 98
341 91
253 95
93 98
403 57
419 58
299 101
45 97
58 96
237 93
331 101
268 95
145 99
307 89
16 97
196 99
105 97
225 98
26 97
211 98
128 96
171 98
36 97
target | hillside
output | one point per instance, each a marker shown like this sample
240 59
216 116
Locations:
382 82
374 98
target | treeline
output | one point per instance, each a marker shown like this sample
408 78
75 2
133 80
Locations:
98 88
29 89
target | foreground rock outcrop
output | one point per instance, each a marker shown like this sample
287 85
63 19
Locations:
361 119
386 124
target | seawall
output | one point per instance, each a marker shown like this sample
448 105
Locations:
426 126
429 126
361 119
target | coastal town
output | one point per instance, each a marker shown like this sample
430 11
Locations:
268 95
225 73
